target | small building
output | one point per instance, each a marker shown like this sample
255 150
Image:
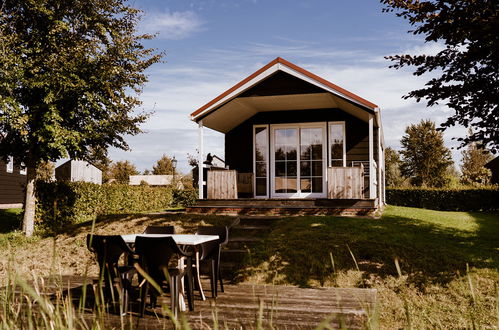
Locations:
493 166
154 180
78 171
296 136
12 183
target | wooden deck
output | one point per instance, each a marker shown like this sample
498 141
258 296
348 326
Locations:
285 207
243 306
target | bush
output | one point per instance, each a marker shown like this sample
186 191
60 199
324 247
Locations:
184 197
470 199
61 203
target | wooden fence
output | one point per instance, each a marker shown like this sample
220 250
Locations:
345 182
222 184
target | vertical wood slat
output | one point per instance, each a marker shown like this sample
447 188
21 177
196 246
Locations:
345 182
222 184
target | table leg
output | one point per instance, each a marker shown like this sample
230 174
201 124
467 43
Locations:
198 277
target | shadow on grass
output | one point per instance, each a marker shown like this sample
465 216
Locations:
10 220
299 249
137 222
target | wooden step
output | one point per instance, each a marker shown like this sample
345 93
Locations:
258 220
241 242
249 231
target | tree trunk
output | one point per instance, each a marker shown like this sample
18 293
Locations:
30 202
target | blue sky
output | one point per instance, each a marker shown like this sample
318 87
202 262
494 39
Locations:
211 45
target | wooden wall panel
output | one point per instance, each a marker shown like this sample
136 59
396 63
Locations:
11 185
222 184
346 182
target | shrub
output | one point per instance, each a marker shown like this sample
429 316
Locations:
184 197
61 203
469 199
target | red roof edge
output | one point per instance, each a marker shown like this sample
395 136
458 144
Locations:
294 67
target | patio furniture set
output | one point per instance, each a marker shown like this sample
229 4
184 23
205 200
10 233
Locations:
156 261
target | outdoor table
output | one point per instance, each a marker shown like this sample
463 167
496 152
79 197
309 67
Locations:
193 240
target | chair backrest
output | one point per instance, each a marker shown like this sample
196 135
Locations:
155 254
108 250
160 230
212 249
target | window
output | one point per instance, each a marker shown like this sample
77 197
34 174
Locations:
261 139
10 165
337 147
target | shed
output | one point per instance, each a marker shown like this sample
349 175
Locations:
78 170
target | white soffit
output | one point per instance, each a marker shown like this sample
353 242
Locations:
241 109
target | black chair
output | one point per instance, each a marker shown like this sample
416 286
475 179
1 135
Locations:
160 230
210 251
108 250
156 254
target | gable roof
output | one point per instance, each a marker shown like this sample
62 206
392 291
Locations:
290 68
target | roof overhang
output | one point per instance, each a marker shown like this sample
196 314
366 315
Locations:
228 110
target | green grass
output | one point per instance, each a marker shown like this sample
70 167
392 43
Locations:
10 228
432 249
431 288
432 242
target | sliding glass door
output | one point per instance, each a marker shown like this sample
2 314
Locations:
298 157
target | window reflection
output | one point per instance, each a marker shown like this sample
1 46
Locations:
261 163
337 144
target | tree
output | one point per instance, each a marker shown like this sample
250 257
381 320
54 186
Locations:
99 158
121 171
465 74
473 171
393 175
45 171
425 159
164 166
70 73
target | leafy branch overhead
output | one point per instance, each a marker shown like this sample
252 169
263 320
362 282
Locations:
70 73
465 73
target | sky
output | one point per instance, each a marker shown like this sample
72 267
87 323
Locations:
211 45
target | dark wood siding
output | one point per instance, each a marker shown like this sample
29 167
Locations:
239 141
281 83
11 185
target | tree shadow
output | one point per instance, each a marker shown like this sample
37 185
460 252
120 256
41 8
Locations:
10 220
137 222
302 250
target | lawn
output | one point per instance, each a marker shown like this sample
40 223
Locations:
431 268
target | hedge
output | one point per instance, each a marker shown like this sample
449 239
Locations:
472 199
60 203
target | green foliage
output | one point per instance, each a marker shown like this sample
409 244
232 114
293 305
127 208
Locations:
164 166
463 73
473 167
61 203
184 197
471 199
70 74
70 71
45 171
121 171
393 175
425 158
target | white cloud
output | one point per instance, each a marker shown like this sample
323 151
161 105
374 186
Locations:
176 90
171 25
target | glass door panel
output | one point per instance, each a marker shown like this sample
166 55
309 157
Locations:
285 169
311 159
298 160
261 161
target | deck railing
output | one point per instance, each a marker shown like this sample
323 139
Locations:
346 182
222 184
